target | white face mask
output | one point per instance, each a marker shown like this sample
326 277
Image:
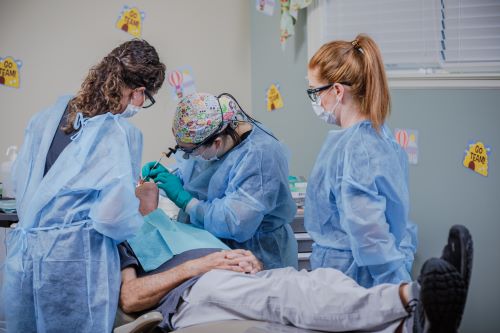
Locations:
319 110
131 111
203 156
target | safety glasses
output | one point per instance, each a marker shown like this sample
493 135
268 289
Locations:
148 101
189 151
313 93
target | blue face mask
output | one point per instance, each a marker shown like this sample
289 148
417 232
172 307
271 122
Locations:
130 111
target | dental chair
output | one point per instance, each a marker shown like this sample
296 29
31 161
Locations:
146 323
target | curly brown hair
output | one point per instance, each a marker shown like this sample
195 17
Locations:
131 65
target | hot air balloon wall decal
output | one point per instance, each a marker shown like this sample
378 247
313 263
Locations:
175 80
181 82
408 140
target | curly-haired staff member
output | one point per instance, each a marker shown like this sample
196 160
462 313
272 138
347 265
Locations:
75 189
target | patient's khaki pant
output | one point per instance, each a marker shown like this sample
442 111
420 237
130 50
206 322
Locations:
324 299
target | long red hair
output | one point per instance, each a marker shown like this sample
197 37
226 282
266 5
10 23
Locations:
359 63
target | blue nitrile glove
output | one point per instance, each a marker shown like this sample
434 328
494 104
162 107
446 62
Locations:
172 186
149 172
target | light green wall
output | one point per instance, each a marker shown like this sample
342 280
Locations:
443 192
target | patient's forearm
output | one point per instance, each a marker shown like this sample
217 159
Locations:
142 293
145 292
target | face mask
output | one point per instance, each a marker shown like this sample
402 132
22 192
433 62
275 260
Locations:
328 117
131 111
213 158
203 158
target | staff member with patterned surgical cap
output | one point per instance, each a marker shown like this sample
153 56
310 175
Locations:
357 200
232 178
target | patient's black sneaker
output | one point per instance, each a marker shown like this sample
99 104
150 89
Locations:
442 298
459 251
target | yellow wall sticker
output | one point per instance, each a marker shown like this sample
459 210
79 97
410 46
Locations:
476 158
9 72
130 21
273 97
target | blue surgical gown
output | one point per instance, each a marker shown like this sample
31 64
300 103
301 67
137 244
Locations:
245 199
357 204
62 271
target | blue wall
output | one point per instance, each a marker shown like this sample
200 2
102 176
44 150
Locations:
443 192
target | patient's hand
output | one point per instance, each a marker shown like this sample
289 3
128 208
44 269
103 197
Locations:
248 261
148 195
233 260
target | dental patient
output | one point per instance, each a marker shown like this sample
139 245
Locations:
205 284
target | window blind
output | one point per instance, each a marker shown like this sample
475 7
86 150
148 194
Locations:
421 35
470 32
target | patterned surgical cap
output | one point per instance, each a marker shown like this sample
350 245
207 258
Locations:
199 116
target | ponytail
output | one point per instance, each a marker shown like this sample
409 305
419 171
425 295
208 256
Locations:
376 99
358 63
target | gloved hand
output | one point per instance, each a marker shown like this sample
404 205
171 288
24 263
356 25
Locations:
173 189
148 171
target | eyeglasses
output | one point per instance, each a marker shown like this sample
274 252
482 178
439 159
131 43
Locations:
189 151
148 101
313 93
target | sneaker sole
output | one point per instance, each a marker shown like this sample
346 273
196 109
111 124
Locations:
442 295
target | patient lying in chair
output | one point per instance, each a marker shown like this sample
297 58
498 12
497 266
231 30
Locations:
201 283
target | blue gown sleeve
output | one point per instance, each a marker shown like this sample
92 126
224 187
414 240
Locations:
135 145
251 193
20 165
362 211
116 212
409 245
